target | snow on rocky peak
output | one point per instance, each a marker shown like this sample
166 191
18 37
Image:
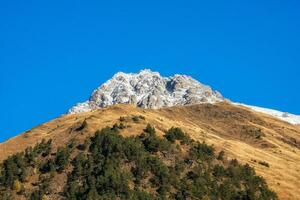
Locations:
148 89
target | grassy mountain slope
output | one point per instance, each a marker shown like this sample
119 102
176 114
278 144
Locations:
143 167
271 146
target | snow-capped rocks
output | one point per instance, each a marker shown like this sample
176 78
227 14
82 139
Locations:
80 107
149 89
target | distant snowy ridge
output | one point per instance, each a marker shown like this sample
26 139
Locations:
148 89
284 116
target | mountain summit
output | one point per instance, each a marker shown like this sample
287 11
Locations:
148 89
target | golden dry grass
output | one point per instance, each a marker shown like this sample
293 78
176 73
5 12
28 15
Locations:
223 125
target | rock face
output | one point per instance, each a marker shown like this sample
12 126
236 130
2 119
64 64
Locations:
149 89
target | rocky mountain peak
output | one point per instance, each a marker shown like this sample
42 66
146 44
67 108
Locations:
148 89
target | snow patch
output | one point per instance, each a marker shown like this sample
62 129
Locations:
284 116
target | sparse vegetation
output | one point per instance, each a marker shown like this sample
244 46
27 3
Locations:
253 132
117 126
82 126
17 168
264 163
122 119
137 118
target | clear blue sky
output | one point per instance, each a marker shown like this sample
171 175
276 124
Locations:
54 53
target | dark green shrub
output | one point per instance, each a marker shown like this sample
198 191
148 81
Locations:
202 151
62 158
264 163
136 119
82 126
177 134
122 119
221 155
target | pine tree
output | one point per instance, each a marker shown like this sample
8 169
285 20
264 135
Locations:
62 158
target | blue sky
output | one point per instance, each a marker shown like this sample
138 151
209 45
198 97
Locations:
54 53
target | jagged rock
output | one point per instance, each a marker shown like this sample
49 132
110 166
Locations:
148 89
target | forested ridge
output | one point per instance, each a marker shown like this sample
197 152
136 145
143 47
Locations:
147 166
